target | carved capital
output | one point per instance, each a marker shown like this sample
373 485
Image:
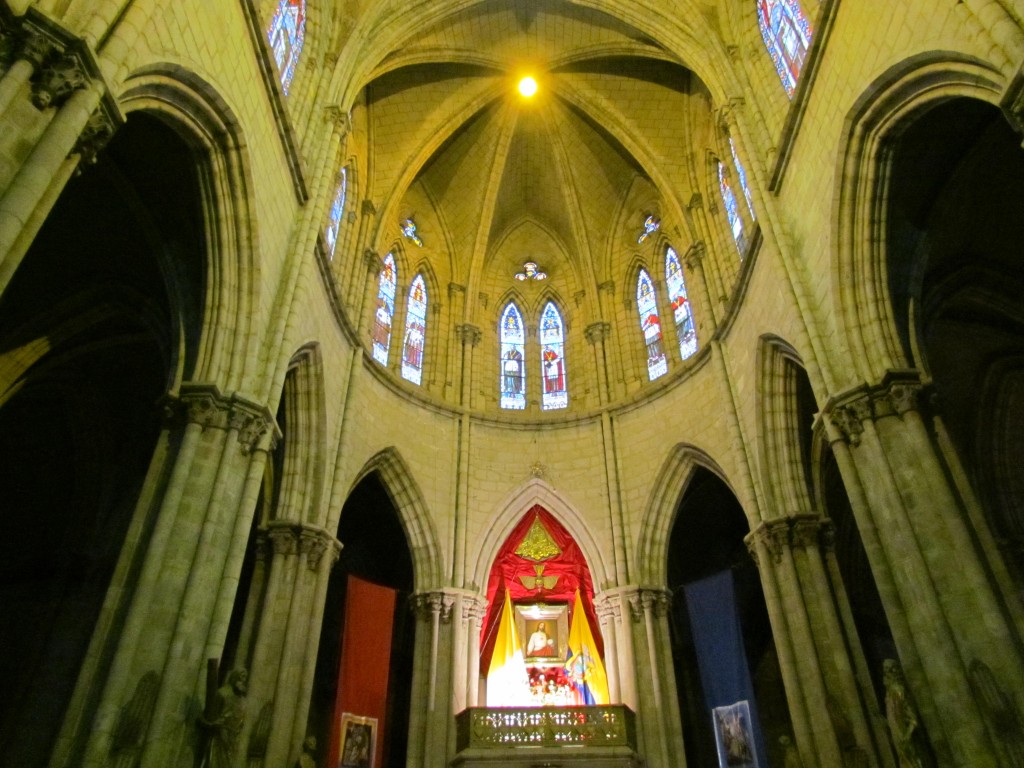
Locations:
694 255
695 202
374 263
608 286
337 117
805 532
368 208
427 605
98 131
474 609
284 539
648 601
56 80
596 333
774 535
848 415
455 289
468 334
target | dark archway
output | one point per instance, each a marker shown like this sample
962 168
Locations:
106 301
707 541
375 549
956 275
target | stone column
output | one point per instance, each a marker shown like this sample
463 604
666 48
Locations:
662 734
596 333
79 115
431 716
829 722
934 583
373 264
469 337
285 647
186 560
693 260
474 612
607 614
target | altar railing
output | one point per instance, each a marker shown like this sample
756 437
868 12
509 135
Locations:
504 727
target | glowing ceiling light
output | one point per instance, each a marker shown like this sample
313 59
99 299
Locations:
527 86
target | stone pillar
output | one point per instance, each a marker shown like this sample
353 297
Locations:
187 561
607 613
373 264
596 333
829 722
469 337
285 647
474 612
431 718
79 117
943 608
657 701
693 260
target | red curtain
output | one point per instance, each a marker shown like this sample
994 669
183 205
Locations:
365 659
570 567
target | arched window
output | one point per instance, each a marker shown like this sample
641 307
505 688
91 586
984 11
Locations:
415 331
385 310
732 212
552 360
742 175
787 36
337 210
513 372
681 311
286 33
647 306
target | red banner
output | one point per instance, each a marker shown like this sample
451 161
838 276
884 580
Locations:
365 660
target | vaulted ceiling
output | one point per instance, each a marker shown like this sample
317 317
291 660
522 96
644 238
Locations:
563 179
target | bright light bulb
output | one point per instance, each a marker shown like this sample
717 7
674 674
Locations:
527 86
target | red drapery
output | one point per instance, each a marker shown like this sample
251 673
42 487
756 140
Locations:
570 567
365 659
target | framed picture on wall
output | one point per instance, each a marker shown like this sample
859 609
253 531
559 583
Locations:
358 741
734 737
544 632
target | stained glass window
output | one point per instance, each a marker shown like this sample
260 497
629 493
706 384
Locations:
731 210
647 306
415 331
513 372
552 360
742 175
787 36
334 220
286 33
385 310
682 313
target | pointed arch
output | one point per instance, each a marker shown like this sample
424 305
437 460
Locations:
551 334
405 494
668 490
650 324
536 491
512 358
785 455
859 275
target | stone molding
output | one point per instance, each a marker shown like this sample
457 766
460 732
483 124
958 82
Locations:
337 117
62 64
468 334
205 405
795 532
648 599
898 393
426 604
595 333
287 537
374 263
694 255
474 608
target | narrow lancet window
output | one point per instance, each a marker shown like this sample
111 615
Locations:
385 310
682 313
741 174
552 360
787 36
286 34
337 211
415 331
732 211
513 372
647 306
